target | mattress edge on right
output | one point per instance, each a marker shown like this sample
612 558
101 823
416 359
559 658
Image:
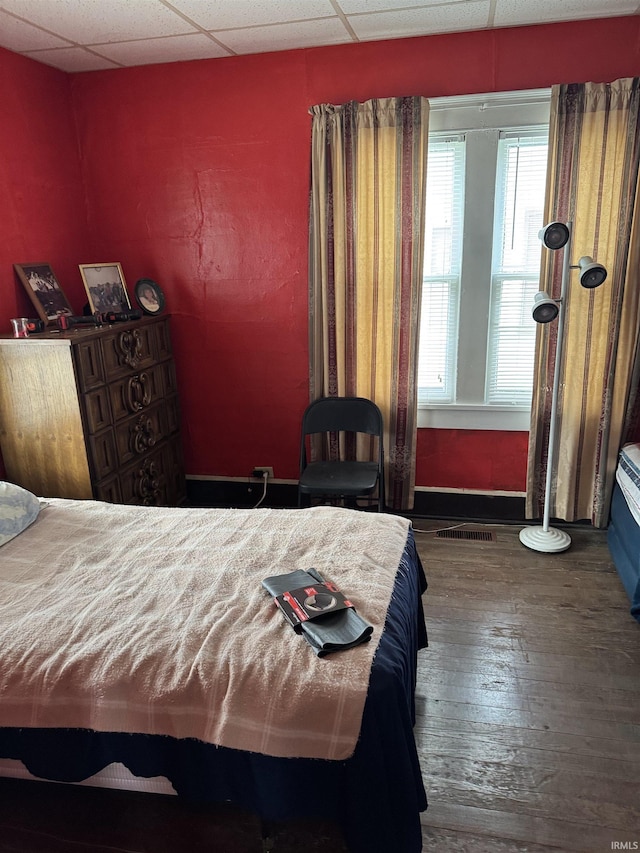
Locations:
623 534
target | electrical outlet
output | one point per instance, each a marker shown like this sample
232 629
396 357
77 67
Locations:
259 470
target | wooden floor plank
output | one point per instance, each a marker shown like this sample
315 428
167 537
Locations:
553 668
597 661
566 721
490 681
451 775
465 842
472 736
531 704
558 832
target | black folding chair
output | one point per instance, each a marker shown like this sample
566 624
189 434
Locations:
340 420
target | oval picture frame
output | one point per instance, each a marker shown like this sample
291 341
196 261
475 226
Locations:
149 296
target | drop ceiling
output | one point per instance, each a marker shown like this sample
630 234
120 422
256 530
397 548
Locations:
87 35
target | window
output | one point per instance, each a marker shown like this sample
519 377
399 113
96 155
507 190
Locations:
486 176
441 279
521 173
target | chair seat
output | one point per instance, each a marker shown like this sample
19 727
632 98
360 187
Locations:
339 478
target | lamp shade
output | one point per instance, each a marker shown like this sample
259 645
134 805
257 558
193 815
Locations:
555 235
592 274
545 309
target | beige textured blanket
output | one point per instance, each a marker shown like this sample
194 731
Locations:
153 620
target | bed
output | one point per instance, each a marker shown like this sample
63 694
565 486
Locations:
141 637
623 534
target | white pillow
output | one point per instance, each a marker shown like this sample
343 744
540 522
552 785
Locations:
18 509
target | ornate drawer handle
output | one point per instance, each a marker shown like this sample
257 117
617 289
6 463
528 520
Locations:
137 392
147 486
143 435
129 348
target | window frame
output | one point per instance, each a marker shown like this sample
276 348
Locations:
485 115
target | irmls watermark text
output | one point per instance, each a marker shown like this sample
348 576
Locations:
625 845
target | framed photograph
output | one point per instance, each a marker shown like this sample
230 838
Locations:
44 291
149 296
105 286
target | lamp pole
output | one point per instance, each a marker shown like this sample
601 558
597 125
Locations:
556 236
545 538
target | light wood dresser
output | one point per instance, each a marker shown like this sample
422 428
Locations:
93 413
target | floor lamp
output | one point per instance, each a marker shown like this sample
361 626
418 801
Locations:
557 235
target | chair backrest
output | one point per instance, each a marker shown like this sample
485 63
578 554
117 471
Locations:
342 414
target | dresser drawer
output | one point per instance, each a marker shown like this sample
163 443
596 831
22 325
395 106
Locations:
145 482
171 416
169 382
173 465
89 364
138 435
162 340
136 393
103 457
97 409
126 351
109 491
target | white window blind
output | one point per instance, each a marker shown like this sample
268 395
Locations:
519 203
442 260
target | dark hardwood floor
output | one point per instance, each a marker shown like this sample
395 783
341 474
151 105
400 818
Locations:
528 697
528 723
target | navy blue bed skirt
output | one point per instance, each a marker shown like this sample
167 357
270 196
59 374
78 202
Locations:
376 795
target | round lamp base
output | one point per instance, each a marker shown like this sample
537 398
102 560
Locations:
548 541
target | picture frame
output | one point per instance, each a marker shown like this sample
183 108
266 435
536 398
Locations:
149 296
105 286
43 290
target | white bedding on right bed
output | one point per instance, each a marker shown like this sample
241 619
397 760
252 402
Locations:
628 477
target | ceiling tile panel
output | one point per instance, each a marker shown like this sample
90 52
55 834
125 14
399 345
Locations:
350 7
17 36
468 15
214 15
511 13
169 49
72 59
93 21
285 36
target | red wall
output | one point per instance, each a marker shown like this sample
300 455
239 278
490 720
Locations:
197 175
42 216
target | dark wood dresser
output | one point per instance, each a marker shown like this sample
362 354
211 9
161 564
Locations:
93 413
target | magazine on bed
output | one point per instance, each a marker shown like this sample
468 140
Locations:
339 627
311 602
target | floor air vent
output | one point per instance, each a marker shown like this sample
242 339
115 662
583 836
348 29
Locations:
475 535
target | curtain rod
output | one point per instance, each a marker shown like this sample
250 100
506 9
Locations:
491 99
